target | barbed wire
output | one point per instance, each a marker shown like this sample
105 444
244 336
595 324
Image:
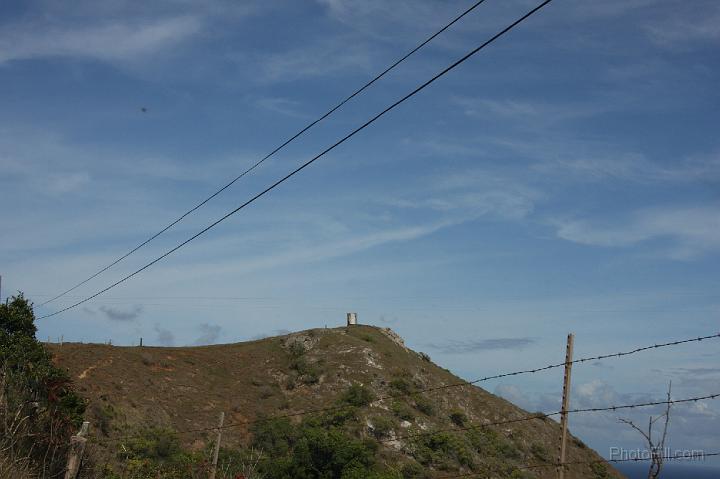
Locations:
674 457
595 358
488 378
441 387
543 416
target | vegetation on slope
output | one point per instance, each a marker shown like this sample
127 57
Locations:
38 408
155 394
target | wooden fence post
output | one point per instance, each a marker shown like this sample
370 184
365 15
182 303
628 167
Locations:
213 467
565 406
77 448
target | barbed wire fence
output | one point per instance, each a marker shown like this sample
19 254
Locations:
485 425
672 457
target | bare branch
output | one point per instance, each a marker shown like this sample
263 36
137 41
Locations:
656 451
632 424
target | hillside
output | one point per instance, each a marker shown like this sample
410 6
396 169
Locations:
185 388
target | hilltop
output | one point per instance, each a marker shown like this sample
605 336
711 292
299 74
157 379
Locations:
185 388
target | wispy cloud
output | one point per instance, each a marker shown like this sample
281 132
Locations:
330 249
465 346
633 167
163 336
284 106
209 334
473 193
503 204
678 31
277 332
112 41
529 111
692 231
66 182
117 314
373 17
313 60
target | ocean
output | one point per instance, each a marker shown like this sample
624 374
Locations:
671 471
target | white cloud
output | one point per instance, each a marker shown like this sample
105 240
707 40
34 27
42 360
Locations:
112 41
119 314
319 59
692 230
501 204
513 394
209 334
163 336
591 9
530 401
321 250
67 182
529 111
681 31
632 167
383 20
596 393
284 106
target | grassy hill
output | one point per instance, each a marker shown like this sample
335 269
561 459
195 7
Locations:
132 388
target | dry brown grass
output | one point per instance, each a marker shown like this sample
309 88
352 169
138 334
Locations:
185 388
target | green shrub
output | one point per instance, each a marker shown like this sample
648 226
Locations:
103 416
310 450
266 393
358 395
307 372
458 418
539 451
300 365
382 427
338 417
541 416
424 405
312 377
401 385
489 443
35 389
413 470
402 411
441 450
600 471
296 348
157 444
274 437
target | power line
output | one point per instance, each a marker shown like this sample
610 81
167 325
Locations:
266 157
315 158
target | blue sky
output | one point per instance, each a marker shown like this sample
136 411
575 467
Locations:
565 179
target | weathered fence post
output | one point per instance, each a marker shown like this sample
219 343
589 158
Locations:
565 406
77 448
213 467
